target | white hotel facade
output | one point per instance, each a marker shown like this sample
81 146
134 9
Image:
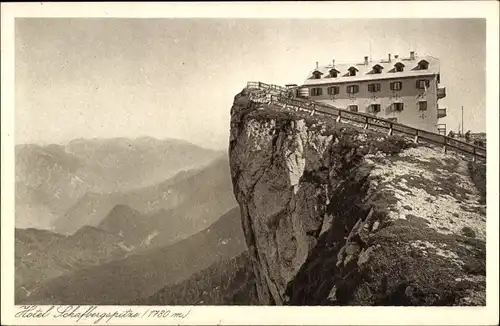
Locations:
405 90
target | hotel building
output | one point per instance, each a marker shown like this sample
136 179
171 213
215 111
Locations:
405 90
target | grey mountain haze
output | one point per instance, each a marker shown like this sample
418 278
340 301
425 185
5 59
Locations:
142 274
130 228
51 179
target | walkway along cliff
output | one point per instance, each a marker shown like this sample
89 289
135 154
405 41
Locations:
336 214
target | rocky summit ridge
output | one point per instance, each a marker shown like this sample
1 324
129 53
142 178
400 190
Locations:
338 215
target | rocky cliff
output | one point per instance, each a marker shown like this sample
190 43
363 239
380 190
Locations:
338 215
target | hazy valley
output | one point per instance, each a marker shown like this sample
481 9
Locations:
53 179
120 219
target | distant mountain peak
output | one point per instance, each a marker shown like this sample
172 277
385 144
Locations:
88 229
122 208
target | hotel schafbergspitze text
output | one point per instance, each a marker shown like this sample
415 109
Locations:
99 315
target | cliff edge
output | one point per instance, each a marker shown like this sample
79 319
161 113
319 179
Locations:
339 215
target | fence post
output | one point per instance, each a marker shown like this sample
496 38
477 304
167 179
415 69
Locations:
474 155
390 130
445 147
338 117
366 123
416 138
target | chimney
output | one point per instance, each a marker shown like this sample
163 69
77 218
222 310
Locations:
366 61
389 57
317 64
412 55
333 63
396 56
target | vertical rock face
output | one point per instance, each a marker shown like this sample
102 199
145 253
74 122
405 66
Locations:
335 215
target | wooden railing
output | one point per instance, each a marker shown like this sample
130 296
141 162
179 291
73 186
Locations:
365 120
260 85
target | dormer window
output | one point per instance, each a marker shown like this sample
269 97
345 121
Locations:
316 74
352 71
423 64
377 69
334 73
399 66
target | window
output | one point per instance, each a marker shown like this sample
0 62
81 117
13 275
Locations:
399 67
316 75
333 73
393 119
377 69
374 108
423 64
422 106
352 71
353 108
374 88
317 91
422 84
398 107
352 89
333 90
396 86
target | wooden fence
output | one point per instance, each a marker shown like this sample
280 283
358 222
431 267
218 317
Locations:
367 121
271 87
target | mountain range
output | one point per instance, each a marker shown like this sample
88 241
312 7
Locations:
142 274
226 282
112 225
41 254
51 179
181 199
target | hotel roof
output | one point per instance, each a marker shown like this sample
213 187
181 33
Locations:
366 72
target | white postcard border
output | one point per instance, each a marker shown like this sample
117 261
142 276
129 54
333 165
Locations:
209 315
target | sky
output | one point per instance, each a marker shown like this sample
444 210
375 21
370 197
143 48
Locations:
176 78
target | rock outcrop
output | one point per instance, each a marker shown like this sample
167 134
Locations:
338 215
